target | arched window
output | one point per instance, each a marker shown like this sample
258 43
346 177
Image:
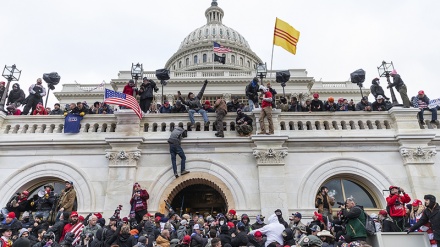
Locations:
213 32
174 67
232 59
206 32
343 188
227 33
180 64
187 61
221 32
241 61
205 58
195 59
249 64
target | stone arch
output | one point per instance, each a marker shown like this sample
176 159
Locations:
366 173
38 172
205 172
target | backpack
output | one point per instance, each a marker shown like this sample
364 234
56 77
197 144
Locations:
370 226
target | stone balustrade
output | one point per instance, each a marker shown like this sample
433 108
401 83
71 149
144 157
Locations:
285 122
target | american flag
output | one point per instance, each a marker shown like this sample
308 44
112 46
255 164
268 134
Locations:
220 49
112 97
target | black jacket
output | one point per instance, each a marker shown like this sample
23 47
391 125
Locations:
376 89
16 95
243 118
379 106
317 105
295 107
181 109
58 228
56 112
122 240
197 240
147 89
433 216
252 92
233 106
225 237
397 82
240 239
194 104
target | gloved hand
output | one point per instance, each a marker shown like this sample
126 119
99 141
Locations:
82 114
65 114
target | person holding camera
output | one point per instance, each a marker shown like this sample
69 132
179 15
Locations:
396 206
175 149
138 202
146 94
354 220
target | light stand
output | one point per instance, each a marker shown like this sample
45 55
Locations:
137 71
358 77
52 79
163 75
10 73
283 77
261 72
384 71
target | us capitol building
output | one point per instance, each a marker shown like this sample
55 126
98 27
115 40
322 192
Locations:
357 154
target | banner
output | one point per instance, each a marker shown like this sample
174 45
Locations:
434 103
72 123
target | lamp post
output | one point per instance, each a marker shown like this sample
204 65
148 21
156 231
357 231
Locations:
384 71
10 73
136 72
262 72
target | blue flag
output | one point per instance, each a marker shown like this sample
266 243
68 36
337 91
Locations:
72 123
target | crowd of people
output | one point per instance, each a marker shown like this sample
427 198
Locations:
257 96
51 220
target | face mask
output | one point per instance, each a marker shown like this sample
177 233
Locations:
222 222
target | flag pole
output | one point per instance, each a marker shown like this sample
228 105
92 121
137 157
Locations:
271 60
213 61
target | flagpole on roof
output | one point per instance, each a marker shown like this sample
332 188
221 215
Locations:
271 61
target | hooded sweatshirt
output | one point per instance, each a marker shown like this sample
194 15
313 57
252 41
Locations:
16 95
273 231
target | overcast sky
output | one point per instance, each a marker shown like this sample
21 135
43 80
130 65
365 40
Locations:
90 41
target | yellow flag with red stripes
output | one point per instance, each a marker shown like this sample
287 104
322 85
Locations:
285 36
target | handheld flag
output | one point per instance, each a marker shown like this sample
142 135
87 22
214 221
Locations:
220 49
112 97
285 36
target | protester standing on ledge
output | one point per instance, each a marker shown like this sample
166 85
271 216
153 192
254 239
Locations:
220 111
266 110
400 87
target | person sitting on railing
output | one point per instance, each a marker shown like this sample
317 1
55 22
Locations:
307 106
351 105
364 105
379 104
342 104
12 110
56 110
316 103
166 107
421 101
178 107
233 105
95 108
330 105
194 105
244 124
295 106
207 106
40 110
105 109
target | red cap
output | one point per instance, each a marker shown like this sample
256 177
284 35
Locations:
11 215
187 239
231 225
421 92
147 215
157 219
258 234
2 83
315 95
98 215
81 218
393 187
74 213
125 219
383 212
232 211
416 203
25 192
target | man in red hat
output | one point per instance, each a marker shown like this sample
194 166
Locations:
386 222
396 206
19 203
75 226
138 202
421 101
13 223
316 103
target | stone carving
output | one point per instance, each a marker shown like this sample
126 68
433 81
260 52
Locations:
227 97
270 156
418 155
122 155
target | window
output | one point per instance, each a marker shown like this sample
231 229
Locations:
205 58
221 32
174 67
241 61
195 59
200 34
206 32
342 189
213 32
180 64
249 64
187 61
227 33
233 59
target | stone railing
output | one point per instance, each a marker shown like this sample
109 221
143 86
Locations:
285 123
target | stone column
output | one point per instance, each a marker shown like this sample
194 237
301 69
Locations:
269 153
417 153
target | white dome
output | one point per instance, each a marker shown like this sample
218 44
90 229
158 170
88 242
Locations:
196 50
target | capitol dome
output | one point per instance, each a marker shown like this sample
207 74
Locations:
196 50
